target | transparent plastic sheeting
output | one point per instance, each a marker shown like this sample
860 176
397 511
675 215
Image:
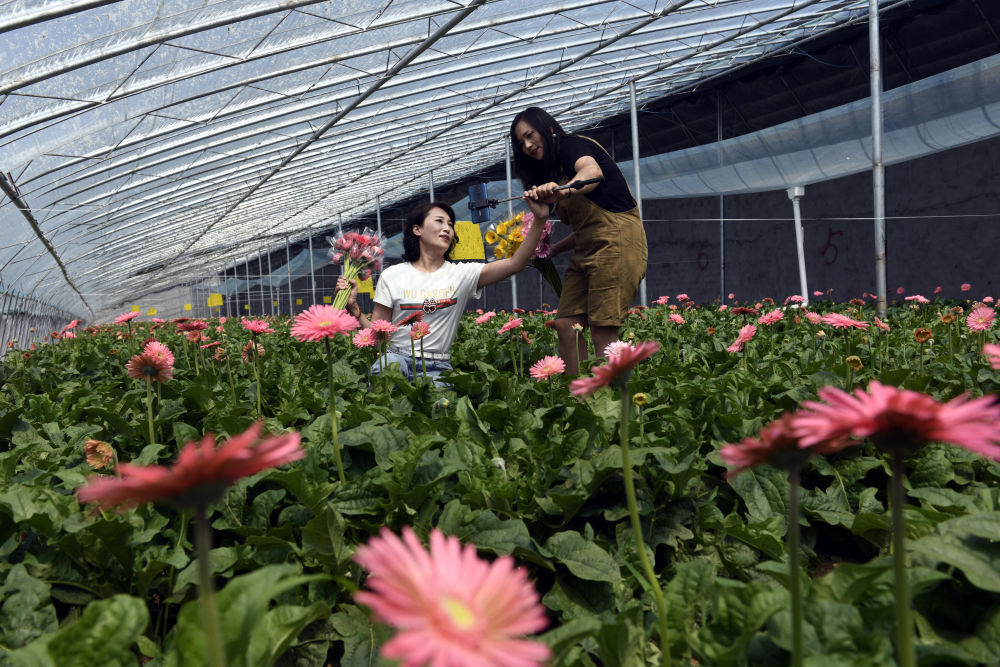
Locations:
952 109
158 142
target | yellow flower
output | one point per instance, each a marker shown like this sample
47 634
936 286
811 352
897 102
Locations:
517 236
854 362
502 246
498 252
503 227
640 399
491 236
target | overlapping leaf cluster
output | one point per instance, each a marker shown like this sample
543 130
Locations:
490 461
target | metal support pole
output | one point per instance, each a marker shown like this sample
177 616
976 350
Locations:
260 281
236 288
795 194
378 214
635 164
270 283
249 303
288 270
430 174
312 266
510 214
878 168
722 203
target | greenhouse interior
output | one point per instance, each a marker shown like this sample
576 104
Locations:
474 333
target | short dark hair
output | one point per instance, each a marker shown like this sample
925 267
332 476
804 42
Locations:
533 172
415 218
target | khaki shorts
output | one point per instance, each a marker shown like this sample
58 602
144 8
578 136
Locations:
604 273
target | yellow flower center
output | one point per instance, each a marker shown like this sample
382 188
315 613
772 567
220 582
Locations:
459 613
325 323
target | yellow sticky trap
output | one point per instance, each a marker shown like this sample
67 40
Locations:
366 287
327 299
187 306
246 306
274 303
136 309
298 302
470 241
214 300
151 311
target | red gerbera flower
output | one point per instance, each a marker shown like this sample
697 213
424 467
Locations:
619 364
776 445
200 475
149 366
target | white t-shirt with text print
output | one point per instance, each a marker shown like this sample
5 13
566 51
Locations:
442 297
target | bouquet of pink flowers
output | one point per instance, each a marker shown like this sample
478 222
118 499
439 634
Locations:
360 253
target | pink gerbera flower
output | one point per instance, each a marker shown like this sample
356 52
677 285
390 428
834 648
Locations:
840 321
992 352
881 325
937 290
158 349
614 347
321 321
546 367
899 420
745 334
814 318
257 326
72 325
966 287
795 298
419 330
771 318
486 317
451 608
676 318
980 319
621 364
365 338
817 293
723 308
69 334
148 366
512 324
683 297
201 473
662 301
126 317
918 298
383 328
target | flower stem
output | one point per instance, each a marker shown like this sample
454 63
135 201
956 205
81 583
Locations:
423 359
214 647
256 375
904 621
333 413
633 510
149 408
794 565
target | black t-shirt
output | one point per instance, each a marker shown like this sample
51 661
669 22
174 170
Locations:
612 194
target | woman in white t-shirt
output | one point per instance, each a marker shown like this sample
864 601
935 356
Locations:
427 282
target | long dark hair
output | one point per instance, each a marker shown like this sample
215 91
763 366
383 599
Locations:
535 172
411 242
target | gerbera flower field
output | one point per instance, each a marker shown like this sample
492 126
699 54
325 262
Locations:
771 483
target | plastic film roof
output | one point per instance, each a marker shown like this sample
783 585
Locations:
149 144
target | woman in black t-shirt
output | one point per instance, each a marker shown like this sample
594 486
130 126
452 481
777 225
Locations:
608 240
